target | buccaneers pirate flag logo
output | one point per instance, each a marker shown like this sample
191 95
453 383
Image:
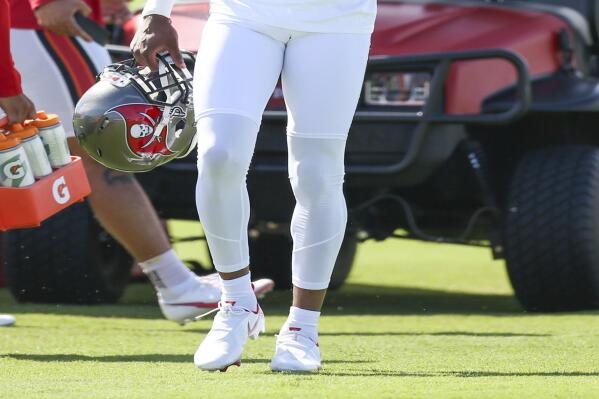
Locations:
147 129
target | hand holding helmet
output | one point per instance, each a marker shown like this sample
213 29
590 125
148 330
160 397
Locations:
133 119
154 36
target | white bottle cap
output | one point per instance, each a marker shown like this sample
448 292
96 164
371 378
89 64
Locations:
3 117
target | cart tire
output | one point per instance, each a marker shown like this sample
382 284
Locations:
270 256
69 259
552 229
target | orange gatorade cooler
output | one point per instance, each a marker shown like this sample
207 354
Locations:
34 148
54 138
15 170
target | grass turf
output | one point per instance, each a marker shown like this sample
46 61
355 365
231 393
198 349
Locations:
415 321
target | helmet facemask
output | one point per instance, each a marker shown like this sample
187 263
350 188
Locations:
167 87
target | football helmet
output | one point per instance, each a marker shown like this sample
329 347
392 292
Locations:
134 120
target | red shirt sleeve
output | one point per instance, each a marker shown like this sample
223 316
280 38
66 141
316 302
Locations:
22 12
10 80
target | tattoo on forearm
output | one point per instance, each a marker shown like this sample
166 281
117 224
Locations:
112 177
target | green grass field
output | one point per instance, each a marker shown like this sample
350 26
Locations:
415 321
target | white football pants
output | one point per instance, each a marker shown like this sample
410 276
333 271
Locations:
238 65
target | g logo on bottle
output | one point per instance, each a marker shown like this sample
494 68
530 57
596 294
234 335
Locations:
60 191
13 170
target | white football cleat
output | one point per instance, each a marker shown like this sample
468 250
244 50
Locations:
296 353
223 346
7 320
200 295
196 296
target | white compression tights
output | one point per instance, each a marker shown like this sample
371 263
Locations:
237 69
316 175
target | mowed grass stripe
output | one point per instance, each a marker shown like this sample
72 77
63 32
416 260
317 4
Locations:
415 321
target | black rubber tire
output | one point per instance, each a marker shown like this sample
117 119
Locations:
552 229
69 259
270 255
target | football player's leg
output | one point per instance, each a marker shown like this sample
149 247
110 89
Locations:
236 72
225 146
320 115
117 199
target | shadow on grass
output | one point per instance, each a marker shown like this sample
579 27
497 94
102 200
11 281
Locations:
201 331
460 374
164 358
176 358
352 299
432 334
146 358
382 300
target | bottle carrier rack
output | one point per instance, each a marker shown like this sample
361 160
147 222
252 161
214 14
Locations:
29 206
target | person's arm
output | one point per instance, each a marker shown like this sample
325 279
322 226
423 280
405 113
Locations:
10 80
12 100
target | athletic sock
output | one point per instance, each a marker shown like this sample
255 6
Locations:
240 292
167 272
302 321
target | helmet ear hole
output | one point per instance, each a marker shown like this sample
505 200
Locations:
99 152
104 123
180 125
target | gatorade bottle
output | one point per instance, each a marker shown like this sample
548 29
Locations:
15 170
34 148
3 118
54 138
